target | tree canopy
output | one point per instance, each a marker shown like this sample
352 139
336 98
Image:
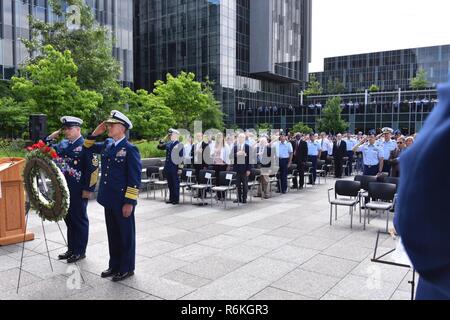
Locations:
331 120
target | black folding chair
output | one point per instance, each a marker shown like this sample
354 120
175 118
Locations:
384 195
348 192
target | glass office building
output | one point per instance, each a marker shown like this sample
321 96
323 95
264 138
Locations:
389 70
223 40
116 14
396 105
403 110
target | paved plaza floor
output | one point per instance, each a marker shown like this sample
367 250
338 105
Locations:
281 248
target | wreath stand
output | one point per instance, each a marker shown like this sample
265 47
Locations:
27 211
379 260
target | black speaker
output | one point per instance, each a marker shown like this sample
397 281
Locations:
37 127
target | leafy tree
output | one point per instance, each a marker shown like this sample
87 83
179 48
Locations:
264 127
420 81
13 117
335 86
314 87
302 128
150 117
188 100
374 88
51 88
331 120
90 45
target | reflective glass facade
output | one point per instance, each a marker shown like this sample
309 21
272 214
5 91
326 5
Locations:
389 70
213 39
403 110
116 14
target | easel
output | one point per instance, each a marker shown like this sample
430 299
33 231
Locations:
379 260
45 194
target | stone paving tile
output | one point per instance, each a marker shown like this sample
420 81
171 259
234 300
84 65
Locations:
348 252
221 241
267 242
387 273
213 229
270 293
185 238
312 242
331 266
159 266
362 288
243 253
246 232
307 283
186 279
212 267
55 288
292 254
267 269
9 279
233 286
109 291
285 232
155 248
401 295
193 252
158 286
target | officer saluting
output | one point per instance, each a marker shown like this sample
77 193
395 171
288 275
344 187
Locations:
81 185
387 146
372 156
174 156
118 192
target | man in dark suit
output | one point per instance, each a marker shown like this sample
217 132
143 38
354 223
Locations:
198 153
241 165
339 151
395 157
300 148
422 213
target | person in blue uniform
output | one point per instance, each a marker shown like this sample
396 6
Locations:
313 155
372 155
174 157
387 145
81 185
284 152
118 192
350 144
422 216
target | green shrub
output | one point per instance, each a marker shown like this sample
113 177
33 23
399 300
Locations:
148 149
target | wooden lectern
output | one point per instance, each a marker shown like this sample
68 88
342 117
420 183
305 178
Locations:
12 202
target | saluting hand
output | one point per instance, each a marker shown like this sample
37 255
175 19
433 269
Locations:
127 209
55 134
101 128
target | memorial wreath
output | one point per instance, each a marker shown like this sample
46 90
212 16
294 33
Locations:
40 166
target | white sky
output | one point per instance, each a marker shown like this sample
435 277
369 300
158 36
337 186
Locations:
343 27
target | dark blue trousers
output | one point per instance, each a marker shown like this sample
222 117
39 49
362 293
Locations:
77 223
173 182
313 160
426 291
371 170
348 169
121 240
283 174
387 167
